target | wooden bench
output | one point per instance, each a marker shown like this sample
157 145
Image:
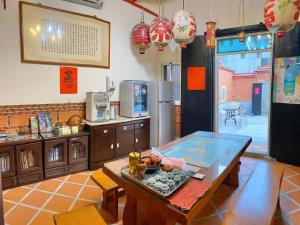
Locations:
111 193
259 198
83 216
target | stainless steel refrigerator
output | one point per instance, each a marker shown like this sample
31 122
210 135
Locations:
162 112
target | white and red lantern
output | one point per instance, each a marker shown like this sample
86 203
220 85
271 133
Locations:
183 28
160 33
141 37
211 34
281 15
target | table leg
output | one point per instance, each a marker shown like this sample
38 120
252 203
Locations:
233 177
130 211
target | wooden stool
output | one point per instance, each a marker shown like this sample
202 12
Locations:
110 193
83 216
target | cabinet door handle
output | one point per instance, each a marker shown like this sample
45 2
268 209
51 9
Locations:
105 131
142 124
136 140
118 145
112 146
125 128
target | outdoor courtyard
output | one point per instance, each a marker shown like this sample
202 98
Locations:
254 126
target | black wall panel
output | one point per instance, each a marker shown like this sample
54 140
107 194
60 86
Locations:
285 118
197 106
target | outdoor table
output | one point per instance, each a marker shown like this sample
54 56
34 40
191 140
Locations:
217 156
231 114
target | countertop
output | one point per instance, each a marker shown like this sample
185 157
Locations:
120 119
20 139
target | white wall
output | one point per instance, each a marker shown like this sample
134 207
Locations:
32 83
37 84
224 12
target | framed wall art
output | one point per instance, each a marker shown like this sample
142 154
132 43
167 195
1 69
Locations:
54 36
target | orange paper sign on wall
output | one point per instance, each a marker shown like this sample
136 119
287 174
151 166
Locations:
68 80
196 78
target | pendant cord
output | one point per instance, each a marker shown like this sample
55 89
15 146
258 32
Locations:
159 8
243 12
183 4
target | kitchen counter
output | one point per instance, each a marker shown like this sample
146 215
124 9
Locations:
120 119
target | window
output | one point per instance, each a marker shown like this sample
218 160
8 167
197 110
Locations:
171 72
253 42
223 94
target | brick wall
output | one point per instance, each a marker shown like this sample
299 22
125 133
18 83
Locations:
18 116
225 80
239 86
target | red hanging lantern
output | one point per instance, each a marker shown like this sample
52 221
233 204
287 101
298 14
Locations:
281 15
141 37
211 34
183 28
160 33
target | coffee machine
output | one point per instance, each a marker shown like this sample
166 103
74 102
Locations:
97 106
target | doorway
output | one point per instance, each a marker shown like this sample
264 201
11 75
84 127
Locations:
243 88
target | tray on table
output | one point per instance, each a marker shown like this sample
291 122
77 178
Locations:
142 183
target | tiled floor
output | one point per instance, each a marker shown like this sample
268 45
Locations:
35 204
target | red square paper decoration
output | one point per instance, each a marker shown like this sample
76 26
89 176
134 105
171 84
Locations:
68 80
257 91
196 78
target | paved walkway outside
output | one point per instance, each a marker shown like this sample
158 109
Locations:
254 126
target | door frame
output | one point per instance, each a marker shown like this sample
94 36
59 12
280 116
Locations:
216 79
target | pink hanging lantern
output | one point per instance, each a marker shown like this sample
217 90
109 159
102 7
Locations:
141 37
281 15
160 33
183 28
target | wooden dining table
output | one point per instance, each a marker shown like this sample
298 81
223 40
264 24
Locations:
216 155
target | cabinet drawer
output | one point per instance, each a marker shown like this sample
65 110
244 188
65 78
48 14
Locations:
142 125
56 172
105 131
125 128
30 178
79 167
9 182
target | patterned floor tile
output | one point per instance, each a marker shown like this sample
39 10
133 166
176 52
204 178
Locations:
16 194
78 178
69 189
49 185
91 193
20 215
295 195
36 198
59 204
43 218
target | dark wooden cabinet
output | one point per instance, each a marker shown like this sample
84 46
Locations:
78 154
7 161
56 153
29 163
65 154
142 136
124 140
104 143
21 160
108 142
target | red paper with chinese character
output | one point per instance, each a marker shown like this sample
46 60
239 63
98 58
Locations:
68 80
187 196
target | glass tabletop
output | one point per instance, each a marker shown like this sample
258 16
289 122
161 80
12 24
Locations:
204 148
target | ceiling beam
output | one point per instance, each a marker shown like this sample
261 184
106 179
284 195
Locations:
133 2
